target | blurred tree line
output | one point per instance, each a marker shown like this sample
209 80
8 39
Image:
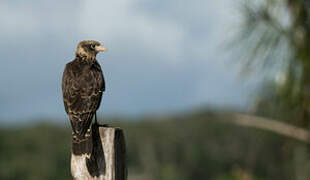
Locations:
183 147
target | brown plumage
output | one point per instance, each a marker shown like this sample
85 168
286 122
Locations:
82 88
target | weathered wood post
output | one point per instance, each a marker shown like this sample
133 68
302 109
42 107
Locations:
108 158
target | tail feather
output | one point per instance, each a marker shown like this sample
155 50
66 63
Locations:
81 134
82 146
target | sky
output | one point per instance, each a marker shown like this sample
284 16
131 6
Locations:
163 56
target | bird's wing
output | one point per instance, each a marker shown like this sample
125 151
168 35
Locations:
100 83
82 94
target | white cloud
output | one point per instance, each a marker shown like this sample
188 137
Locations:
118 20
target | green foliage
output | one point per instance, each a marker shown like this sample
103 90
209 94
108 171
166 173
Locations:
40 152
194 146
275 35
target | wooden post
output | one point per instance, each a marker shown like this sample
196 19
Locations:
107 160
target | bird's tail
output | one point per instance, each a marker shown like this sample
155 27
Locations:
82 142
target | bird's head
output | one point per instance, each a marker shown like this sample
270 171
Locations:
89 49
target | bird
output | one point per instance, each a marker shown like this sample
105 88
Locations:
82 87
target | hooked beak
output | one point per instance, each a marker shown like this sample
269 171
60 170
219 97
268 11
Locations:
100 48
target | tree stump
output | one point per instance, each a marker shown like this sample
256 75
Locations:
108 158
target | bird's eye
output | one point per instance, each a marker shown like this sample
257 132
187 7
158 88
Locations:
92 46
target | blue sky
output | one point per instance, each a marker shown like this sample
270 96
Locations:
163 56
